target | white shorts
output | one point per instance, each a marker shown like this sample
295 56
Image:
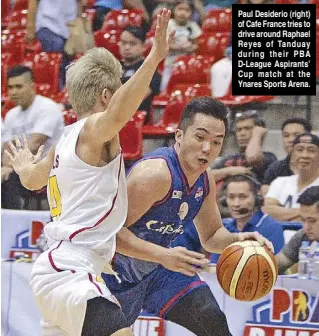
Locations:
63 279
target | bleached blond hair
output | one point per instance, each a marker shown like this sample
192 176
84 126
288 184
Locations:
86 79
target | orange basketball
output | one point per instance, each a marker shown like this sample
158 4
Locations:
246 270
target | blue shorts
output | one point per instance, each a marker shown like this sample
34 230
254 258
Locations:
157 293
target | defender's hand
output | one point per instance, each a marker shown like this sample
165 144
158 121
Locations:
21 155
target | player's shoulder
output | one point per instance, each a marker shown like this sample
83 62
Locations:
154 170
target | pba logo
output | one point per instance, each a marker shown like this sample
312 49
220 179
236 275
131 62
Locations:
25 242
287 313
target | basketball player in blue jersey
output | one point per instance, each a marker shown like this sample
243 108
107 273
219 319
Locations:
167 189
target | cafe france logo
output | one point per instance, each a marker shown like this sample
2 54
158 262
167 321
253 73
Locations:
287 313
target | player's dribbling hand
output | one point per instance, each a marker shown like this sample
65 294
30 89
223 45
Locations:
163 38
21 155
181 260
258 237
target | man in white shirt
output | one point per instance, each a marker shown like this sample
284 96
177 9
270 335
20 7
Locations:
221 75
38 117
281 199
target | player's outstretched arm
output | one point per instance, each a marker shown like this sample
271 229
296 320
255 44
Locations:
126 100
33 171
213 235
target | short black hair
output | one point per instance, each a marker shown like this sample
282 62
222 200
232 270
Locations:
205 105
250 114
138 32
254 184
306 124
19 70
310 196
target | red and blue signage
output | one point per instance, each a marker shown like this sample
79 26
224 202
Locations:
288 313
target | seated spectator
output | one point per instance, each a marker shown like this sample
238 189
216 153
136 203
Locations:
38 117
250 133
184 41
131 49
243 200
281 198
102 7
309 215
286 167
221 75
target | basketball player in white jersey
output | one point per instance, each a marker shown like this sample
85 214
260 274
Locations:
87 193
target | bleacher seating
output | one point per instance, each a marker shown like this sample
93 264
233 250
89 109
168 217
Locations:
218 20
46 68
131 137
109 40
119 19
213 44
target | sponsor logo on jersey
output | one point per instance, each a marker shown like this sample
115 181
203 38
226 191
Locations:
177 194
199 193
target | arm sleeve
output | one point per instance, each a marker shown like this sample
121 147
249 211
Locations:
274 189
47 120
291 250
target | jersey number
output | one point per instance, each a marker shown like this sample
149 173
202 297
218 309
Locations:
55 197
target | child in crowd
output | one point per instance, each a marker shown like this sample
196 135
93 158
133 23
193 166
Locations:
186 34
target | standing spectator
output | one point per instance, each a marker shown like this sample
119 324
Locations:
221 75
131 49
186 34
250 133
286 167
281 199
38 117
48 22
309 214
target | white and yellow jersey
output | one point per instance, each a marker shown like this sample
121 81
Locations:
88 204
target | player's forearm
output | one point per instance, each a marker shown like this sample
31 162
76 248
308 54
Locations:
126 100
280 213
220 240
128 244
32 177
